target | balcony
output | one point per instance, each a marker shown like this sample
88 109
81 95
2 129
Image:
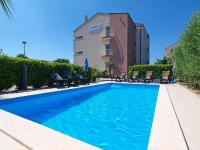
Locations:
107 36
106 54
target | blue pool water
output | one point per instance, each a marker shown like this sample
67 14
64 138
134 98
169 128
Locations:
109 116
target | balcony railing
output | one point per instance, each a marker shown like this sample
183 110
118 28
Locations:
107 37
106 53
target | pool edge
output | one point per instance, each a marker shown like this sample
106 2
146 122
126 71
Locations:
165 132
29 124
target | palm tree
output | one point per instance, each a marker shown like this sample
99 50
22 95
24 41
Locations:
6 6
109 66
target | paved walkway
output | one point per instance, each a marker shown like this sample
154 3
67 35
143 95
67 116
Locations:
165 133
7 143
187 108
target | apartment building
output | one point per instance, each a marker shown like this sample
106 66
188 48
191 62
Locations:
170 49
142 44
111 37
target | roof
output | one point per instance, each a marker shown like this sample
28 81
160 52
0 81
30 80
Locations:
141 25
172 45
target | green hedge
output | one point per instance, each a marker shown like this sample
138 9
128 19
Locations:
157 70
187 54
39 72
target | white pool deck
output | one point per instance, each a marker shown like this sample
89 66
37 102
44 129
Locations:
176 125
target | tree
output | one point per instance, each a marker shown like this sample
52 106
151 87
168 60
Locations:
61 60
109 66
187 54
22 56
161 61
6 5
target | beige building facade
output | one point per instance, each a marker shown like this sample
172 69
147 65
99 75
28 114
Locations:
170 49
113 38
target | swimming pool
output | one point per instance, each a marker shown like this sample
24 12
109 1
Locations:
108 116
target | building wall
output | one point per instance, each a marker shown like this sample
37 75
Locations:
145 47
124 40
91 44
131 42
169 49
137 45
119 43
142 45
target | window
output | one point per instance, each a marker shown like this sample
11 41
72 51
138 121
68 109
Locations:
107 46
107 52
78 37
107 30
79 52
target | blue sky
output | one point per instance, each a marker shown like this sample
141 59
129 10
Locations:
47 25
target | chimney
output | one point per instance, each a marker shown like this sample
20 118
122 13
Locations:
85 18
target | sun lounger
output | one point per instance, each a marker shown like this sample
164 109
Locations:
121 78
83 80
165 77
134 77
148 77
59 80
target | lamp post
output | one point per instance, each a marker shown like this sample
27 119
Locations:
24 73
24 43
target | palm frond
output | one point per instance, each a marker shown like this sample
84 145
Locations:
7 7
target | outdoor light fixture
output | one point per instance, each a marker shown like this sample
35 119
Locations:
24 73
24 43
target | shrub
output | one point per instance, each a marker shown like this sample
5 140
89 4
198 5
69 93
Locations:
39 72
187 53
93 74
7 73
61 60
157 70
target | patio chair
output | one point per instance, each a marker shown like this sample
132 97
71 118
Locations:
148 77
71 77
134 77
59 80
121 78
165 77
83 80
117 78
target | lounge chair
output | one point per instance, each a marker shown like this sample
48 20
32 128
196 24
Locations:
71 77
83 80
165 77
59 80
148 79
134 77
117 78
122 77
76 78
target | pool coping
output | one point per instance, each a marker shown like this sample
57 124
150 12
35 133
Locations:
165 132
28 133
